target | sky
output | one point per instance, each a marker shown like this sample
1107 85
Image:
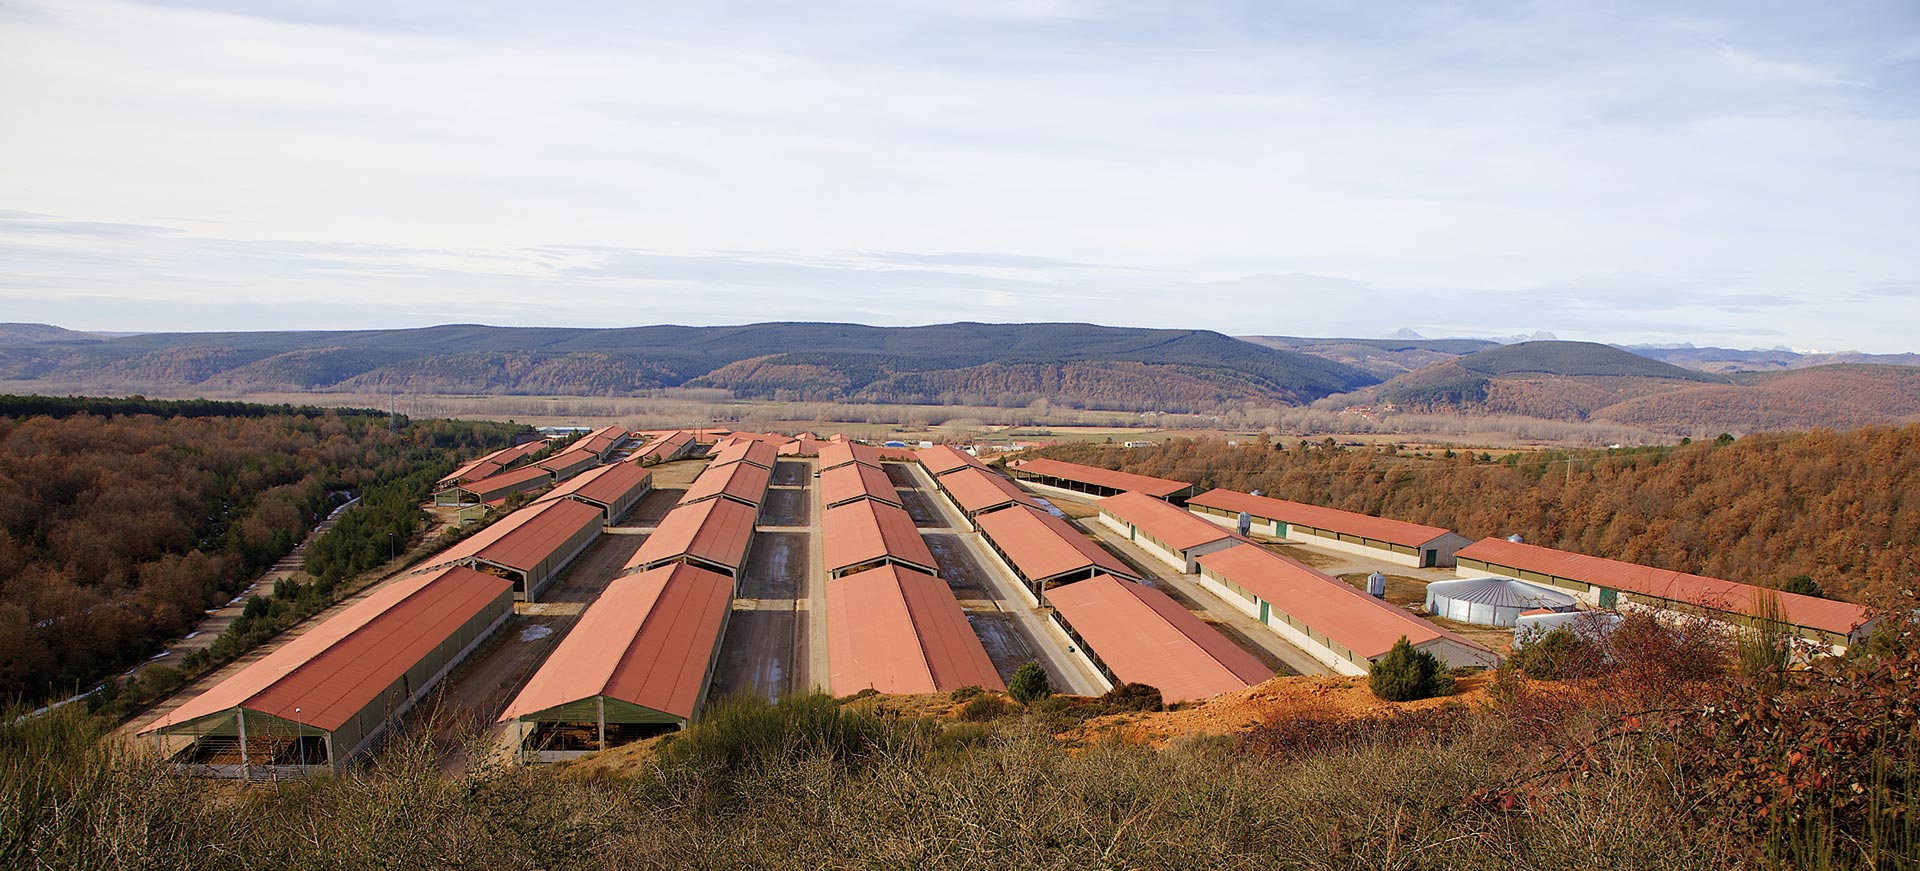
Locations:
1744 174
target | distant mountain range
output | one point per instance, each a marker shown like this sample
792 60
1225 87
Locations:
962 363
1581 381
1680 390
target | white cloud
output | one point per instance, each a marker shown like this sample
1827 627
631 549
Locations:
1271 168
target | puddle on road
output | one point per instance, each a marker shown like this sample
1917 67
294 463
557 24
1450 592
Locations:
535 633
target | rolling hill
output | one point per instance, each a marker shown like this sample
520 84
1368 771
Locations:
1577 381
1553 380
1083 364
1384 358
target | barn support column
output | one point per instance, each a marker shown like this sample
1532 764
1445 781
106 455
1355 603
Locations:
245 770
600 707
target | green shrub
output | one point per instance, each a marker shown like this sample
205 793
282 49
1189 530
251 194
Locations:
745 733
1132 697
1554 654
966 692
1029 684
983 708
1405 674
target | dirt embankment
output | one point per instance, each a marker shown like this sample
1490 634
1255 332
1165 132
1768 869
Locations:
1228 714
1232 713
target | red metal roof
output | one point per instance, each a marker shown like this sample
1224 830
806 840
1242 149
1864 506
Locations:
647 640
771 438
601 441
1359 622
524 538
741 450
509 456
717 531
472 470
607 485
976 490
334 670
664 446
1043 546
742 481
896 630
804 446
856 481
1098 477
864 531
1722 595
493 487
1145 637
1173 526
570 462
941 459
1333 519
841 452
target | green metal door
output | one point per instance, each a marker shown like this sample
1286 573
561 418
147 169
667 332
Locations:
1279 529
1133 532
1609 597
1266 611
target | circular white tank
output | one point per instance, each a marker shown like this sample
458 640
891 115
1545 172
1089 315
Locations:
1490 601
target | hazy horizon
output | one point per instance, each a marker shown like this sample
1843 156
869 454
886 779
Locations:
1730 175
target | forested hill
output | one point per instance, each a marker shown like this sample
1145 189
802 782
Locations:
1097 366
122 521
1579 381
1834 506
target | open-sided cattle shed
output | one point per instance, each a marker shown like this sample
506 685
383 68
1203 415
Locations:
715 534
742 482
740 450
322 699
855 481
663 449
495 487
1171 535
640 660
614 489
1042 549
978 491
529 547
602 442
1607 583
1137 634
941 459
833 454
1328 618
1075 479
1395 541
865 534
569 463
896 630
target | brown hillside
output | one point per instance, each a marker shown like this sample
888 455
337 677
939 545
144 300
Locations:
1840 397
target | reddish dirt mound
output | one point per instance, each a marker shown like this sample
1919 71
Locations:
1238 712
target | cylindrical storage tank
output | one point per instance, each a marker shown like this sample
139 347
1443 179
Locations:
1377 585
1490 601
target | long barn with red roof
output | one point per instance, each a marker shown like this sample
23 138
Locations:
639 661
1395 541
325 697
1137 634
896 630
1607 583
1343 627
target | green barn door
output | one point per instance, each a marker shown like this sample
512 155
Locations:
1609 597
1279 529
1266 611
